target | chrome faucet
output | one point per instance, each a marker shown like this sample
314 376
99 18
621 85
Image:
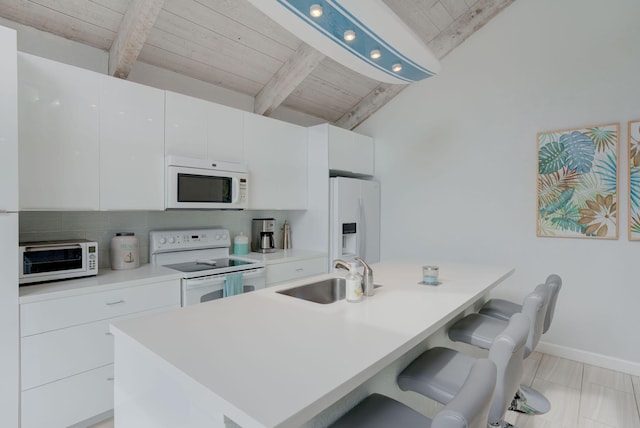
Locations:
341 264
367 278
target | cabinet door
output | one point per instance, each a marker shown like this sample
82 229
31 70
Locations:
224 133
131 146
9 353
8 121
276 156
68 401
185 126
59 135
350 152
201 129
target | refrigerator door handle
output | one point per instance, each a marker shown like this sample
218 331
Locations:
362 243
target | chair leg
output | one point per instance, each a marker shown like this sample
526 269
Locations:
530 401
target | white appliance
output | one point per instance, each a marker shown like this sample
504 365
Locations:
9 326
202 255
354 225
53 260
204 184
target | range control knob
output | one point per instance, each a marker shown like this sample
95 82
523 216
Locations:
163 240
172 240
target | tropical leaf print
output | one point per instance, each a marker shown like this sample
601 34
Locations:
599 216
634 187
634 146
635 224
551 158
568 218
548 137
580 150
604 139
558 204
550 186
578 182
607 170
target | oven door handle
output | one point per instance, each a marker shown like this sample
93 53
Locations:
52 247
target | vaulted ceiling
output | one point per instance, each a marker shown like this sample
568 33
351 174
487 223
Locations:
231 44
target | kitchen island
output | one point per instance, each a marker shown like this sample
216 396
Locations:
264 359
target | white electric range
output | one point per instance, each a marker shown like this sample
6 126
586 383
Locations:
202 255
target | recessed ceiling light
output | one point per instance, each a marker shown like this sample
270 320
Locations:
397 67
315 10
375 54
349 35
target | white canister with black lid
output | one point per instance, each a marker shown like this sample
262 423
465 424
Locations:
125 253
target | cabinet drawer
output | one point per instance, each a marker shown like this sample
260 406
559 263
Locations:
289 271
58 354
68 401
39 317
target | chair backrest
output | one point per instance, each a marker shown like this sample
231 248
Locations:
535 307
470 407
554 282
507 352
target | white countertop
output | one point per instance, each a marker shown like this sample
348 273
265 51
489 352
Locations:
270 360
283 256
106 279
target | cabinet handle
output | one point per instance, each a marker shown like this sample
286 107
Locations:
115 303
300 270
111 379
108 333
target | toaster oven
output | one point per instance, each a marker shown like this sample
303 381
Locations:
54 260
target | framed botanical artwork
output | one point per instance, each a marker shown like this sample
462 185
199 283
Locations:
578 182
634 180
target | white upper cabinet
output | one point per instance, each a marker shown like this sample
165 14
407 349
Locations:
350 153
59 108
131 146
8 121
276 155
201 129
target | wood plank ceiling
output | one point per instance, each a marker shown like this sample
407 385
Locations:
231 44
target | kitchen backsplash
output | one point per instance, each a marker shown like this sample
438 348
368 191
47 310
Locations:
101 226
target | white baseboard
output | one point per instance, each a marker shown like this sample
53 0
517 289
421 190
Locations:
613 363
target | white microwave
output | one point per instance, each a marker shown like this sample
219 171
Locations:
204 184
54 260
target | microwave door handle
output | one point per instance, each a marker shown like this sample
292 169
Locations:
235 193
52 247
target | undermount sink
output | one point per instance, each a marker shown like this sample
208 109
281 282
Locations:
326 291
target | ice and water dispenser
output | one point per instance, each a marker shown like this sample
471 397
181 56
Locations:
349 240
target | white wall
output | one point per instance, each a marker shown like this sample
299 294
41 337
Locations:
456 155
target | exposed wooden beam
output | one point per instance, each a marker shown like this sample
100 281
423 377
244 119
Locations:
452 36
373 102
465 25
286 79
132 34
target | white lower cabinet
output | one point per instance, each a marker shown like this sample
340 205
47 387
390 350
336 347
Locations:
67 350
70 400
288 271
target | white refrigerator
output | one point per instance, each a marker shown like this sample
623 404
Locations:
354 224
9 325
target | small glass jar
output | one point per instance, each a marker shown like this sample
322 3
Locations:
430 274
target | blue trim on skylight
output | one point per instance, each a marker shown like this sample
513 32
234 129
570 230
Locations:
335 20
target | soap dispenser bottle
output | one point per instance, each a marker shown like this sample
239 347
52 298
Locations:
353 292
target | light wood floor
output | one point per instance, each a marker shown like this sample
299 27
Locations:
581 395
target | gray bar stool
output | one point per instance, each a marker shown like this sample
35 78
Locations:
480 330
468 409
503 309
440 372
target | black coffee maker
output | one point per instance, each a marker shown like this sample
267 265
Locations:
262 235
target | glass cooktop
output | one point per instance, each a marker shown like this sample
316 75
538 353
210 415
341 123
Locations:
208 264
